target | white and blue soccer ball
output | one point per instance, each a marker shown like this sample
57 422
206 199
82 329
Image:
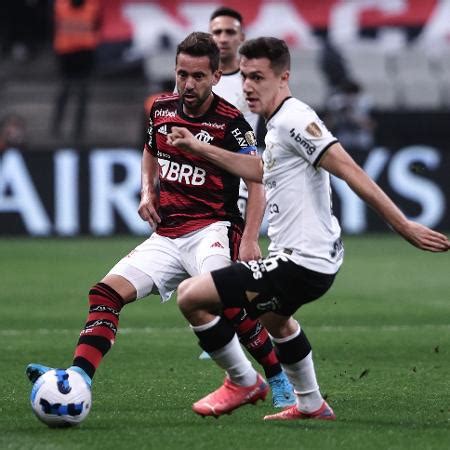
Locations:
61 398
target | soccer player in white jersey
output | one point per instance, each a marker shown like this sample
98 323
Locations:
305 250
226 27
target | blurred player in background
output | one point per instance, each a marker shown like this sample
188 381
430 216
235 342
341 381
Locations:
226 27
306 251
77 24
192 206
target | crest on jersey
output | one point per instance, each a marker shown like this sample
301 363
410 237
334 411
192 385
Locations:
250 138
314 130
204 136
268 159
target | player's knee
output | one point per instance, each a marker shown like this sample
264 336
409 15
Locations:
184 296
197 296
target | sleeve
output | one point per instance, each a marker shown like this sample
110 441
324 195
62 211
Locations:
239 137
307 135
150 143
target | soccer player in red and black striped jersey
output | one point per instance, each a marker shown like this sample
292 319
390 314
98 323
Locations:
191 205
194 193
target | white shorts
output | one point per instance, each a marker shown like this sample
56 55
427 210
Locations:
160 263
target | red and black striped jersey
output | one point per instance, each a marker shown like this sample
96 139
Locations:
194 192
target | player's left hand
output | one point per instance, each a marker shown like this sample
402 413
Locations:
249 250
424 238
182 138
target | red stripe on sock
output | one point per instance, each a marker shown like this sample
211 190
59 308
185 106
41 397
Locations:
231 313
248 324
110 294
99 331
91 354
269 360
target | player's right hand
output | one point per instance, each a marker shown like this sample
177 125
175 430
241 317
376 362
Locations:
424 238
148 207
181 137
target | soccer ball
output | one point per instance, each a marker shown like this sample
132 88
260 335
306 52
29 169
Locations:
61 398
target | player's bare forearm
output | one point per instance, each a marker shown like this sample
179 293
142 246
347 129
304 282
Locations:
149 203
245 166
149 172
256 204
338 162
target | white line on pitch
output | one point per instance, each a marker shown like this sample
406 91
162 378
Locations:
186 329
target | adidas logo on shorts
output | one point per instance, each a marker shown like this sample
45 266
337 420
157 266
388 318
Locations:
217 244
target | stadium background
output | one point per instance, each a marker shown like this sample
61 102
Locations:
398 50
381 337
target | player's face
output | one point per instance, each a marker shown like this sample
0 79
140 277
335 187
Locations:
261 85
228 36
195 80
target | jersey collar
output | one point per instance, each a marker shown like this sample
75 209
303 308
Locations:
230 73
279 107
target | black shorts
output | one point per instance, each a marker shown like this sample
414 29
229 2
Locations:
281 285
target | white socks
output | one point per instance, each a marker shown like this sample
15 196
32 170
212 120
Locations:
303 378
232 358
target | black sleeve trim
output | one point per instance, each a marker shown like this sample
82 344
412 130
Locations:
320 156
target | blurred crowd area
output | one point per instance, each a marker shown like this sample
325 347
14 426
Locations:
351 60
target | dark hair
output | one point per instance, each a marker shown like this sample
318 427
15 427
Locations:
201 44
224 11
272 48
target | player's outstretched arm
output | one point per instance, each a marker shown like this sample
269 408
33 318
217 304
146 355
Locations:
245 166
338 162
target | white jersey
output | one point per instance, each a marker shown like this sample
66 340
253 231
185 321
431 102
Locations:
298 193
229 87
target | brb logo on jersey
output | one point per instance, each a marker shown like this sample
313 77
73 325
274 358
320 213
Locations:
183 173
204 136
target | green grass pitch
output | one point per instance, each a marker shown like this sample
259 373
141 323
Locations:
381 340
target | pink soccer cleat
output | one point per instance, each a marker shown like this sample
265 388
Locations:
323 413
229 397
